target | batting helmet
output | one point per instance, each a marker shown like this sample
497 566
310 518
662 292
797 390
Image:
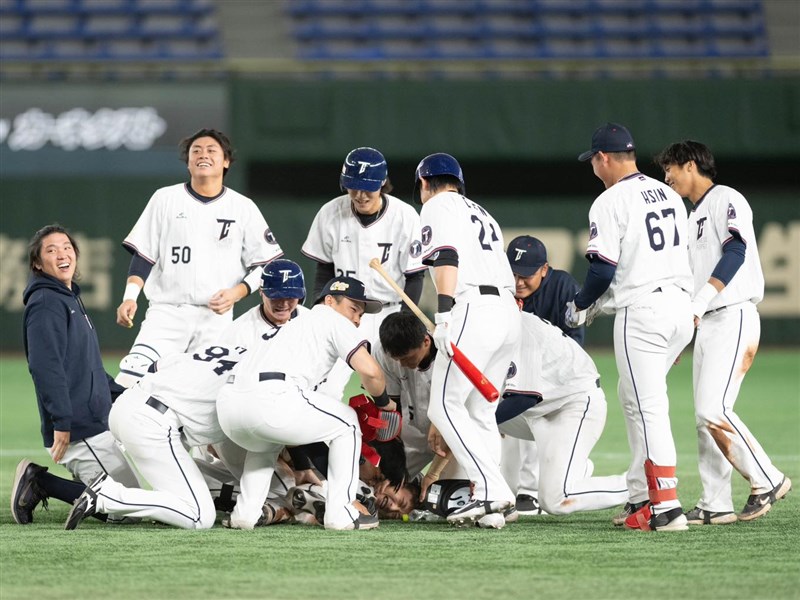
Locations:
438 164
363 169
283 279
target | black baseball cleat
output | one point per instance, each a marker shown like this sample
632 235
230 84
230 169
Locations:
26 493
699 516
759 504
528 505
308 501
86 504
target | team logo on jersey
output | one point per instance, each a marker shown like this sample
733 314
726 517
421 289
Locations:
226 227
269 237
416 249
427 235
512 370
731 211
181 216
700 224
339 286
386 247
592 230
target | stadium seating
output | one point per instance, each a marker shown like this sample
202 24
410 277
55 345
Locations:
118 30
527 29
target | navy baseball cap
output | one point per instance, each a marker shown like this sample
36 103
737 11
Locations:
611 137
526 255
352 288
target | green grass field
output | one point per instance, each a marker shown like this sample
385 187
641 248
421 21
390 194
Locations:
580 556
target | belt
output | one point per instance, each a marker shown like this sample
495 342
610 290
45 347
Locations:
597 382
388 304
655 291
488 290
270 375
716 310
157 404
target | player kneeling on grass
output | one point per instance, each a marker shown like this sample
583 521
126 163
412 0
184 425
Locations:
271 402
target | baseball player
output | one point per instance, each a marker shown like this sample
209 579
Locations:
553 395
406 354
639 270
171 408
463 246
543 291
192 248
728 284
271 402
366 222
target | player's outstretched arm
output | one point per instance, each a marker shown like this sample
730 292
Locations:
372 378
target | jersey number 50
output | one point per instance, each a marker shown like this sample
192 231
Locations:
655 232
181 254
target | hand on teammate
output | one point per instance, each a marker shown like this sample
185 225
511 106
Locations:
125 313
437 443
441 335
223 300
60 445
574 317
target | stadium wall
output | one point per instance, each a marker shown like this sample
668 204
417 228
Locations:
90 156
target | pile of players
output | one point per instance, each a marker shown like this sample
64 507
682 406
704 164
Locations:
207 408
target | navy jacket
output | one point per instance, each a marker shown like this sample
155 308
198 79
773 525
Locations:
72 387
550 301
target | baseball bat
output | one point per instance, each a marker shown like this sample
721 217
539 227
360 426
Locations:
483 385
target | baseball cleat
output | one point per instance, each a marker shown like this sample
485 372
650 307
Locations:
491 521
619 519
476 509
760 504
644 520
26 493
698 516
86 504
307 501
362 522
511 515
528 505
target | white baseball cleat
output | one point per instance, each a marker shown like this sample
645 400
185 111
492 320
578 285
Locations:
491 521
476 509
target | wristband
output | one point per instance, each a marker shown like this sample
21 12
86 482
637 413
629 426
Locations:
131 292
381 399
445 303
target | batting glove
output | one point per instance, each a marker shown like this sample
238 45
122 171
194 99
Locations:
573 317
441 335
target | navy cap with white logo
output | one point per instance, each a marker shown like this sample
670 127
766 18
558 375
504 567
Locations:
611 137
352 288
526 255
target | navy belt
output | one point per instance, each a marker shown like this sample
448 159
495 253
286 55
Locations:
488 290
270 375
655 291
716 310
157 404
597 382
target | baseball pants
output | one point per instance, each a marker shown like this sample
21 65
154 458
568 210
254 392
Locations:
726 344
648 336
88 457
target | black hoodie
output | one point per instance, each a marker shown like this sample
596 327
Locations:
72 387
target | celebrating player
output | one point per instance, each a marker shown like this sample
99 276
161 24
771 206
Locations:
728 284
281 374
463 245
365 223
73 390
543 291
192 247
639 269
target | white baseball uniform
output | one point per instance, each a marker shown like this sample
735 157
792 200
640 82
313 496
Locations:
338 237
156 420
726 343
271 403
639 224
568 421
411 389
197 248
485 326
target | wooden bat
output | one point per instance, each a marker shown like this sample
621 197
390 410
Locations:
483 385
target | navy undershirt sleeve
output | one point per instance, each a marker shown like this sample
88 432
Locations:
732 258
139 267
597 281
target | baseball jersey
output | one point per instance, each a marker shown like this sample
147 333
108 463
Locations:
247 329
304 350
549 364
451 221
337 237
411 386
557 288
196 247
189 384
640 225
720 213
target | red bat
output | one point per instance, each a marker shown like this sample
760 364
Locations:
471 372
